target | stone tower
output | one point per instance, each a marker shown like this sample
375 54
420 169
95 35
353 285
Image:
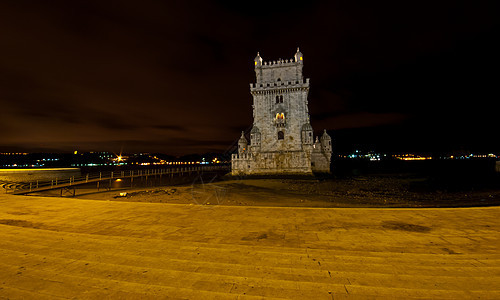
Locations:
281 139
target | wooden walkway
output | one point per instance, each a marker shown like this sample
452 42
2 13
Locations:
41 186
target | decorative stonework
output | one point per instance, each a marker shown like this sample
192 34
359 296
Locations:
281 139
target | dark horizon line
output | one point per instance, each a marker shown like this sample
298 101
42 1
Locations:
361 148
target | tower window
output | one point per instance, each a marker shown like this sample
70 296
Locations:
279 99
281 135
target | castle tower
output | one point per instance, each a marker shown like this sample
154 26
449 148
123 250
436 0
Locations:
281 139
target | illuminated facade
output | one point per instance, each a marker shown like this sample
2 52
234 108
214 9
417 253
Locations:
281 139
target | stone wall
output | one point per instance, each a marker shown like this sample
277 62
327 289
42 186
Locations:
320 162
292 162
295 112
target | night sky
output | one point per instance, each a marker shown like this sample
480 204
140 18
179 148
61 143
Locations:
173 77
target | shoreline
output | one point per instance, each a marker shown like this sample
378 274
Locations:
294 193
37 169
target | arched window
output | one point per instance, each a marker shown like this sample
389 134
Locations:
281 135
281 99
277 99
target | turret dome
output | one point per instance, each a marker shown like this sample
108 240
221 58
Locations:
325 136
243 139
307 127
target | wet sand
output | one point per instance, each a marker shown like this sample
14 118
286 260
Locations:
354 192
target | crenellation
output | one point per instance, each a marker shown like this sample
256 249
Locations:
272 85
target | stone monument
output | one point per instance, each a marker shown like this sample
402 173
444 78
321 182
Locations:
282 138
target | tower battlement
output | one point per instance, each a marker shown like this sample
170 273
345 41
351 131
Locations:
278 71
279 85
278 63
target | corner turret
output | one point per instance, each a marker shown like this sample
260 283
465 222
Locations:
255 136
307 134
299 57
326 143
242 144
258 60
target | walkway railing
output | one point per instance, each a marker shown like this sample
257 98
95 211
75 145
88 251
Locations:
38 185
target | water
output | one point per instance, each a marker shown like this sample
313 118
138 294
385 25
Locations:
27 175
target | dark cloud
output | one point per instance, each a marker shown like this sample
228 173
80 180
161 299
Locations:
169 127
173 76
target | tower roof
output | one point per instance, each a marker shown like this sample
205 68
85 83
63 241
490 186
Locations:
325 136
242 138
255 129
307 127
